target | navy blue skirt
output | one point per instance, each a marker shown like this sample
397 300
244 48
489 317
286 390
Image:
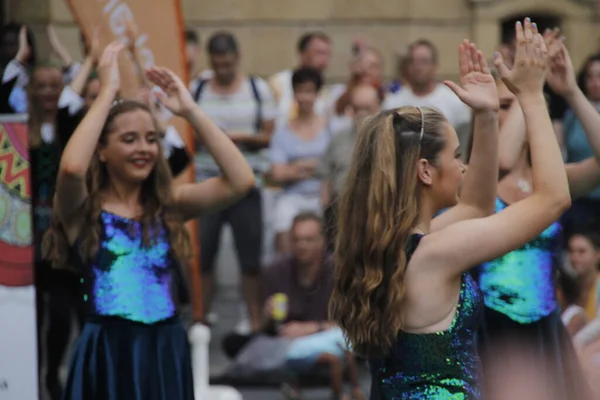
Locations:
547 338
117 359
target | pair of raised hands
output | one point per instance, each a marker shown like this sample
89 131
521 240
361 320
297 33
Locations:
538 59
176 96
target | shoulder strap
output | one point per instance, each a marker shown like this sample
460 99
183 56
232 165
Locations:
413 242
256 93
201 84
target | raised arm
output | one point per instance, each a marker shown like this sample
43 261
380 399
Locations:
512 138
583 176
71 189
18 66
563 81
58 48
466 244
478 90
78 83
238 178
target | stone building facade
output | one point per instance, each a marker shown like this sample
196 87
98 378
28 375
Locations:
268 29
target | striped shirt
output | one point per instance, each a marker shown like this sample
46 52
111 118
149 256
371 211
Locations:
235 113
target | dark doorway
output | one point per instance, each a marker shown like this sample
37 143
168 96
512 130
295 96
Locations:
543 21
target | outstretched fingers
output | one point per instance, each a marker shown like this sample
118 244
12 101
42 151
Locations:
483 62
500 65
475 61
463 58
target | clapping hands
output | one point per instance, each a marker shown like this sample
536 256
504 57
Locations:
477 87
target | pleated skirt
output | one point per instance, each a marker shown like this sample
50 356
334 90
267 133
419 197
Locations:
117 359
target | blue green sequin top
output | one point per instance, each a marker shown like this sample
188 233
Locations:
128 279
435 366
521 284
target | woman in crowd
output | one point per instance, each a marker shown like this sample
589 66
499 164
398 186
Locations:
44 154
584 257
295 151
578 146
122 224
572 314
366 67
402 293
519 287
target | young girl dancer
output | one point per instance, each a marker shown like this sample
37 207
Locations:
519 287
401 291
122 221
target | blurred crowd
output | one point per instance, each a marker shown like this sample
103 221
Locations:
297 132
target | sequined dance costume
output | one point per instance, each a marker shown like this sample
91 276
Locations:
436 366
133 345
520 304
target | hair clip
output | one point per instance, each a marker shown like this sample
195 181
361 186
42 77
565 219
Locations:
422 123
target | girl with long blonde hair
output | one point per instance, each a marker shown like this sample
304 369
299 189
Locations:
402 293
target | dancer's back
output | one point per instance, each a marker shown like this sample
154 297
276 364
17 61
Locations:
433 365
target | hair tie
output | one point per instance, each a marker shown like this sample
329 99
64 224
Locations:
422 124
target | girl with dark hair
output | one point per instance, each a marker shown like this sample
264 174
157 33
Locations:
584 257
52 287
295 151
120 221
577 146
572 314
402 293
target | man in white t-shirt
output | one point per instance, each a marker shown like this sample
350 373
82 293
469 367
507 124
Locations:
314 51
425 90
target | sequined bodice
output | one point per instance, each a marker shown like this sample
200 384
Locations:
439 365
128 279
521 284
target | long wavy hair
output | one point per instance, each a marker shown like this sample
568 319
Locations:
379 208
156 198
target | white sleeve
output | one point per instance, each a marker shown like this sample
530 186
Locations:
71 72
71 100
172 138
18 70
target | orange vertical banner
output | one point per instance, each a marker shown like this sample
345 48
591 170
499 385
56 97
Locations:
160 41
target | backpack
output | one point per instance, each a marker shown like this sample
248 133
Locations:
255 92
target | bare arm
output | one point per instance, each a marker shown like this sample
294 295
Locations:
325 192
465 244
260 140
78 83
292 172
70 189
58 48
588 116
479 92
583 176
512 138
479 187
238 178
